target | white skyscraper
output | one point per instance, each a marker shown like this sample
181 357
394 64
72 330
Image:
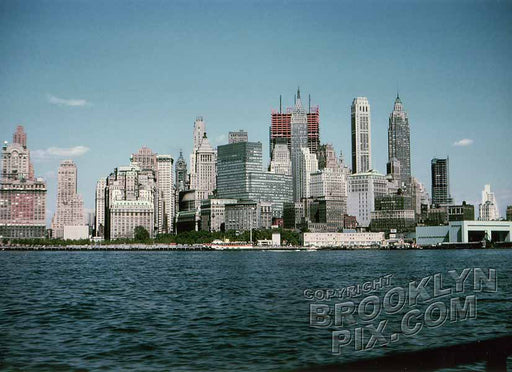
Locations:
100 207
361 135
70 207
488 209
362 190
203 172
165 186
299 140
307 165
281 162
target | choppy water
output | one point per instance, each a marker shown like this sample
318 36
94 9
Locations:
210 310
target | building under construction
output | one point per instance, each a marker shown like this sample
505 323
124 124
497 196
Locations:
280 128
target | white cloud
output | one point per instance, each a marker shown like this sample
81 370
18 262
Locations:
463 142
67 102
58 152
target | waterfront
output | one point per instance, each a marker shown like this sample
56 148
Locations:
211 310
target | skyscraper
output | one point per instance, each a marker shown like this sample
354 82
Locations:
181 173
22 196
280 128
166 195
281 162
441 182
399 146
488 208
361 135
203 173
101 185
298 141
130 201
70 207
241 176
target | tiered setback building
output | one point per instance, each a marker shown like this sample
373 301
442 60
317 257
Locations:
399 146
70 207
488 209
203 162
141 194
281 129
22 196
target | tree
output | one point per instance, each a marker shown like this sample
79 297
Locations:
141 234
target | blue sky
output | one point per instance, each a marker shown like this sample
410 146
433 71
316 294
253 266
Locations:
113 76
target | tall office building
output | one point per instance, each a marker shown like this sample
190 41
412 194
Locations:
70 207
440 170
399 146
22 195
488 208
145 158
361 135
240 175
99 212
281 132
166 194
131 198
308 164
203 172
281 162
239 136
298 141
363 189
181 173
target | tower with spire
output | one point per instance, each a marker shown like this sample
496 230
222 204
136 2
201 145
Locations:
298 142
399 146
181 173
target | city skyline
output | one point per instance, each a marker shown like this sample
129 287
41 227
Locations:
112 103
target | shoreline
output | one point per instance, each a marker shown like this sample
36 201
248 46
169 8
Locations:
167 247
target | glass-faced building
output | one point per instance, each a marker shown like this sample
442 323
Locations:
240 176
441 182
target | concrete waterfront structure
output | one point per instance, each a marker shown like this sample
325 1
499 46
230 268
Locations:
238 136
240 176
70 206
488 208
345 239
440 171
399 143
363 188
75 232
22 195
464 232
280 128
361 135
